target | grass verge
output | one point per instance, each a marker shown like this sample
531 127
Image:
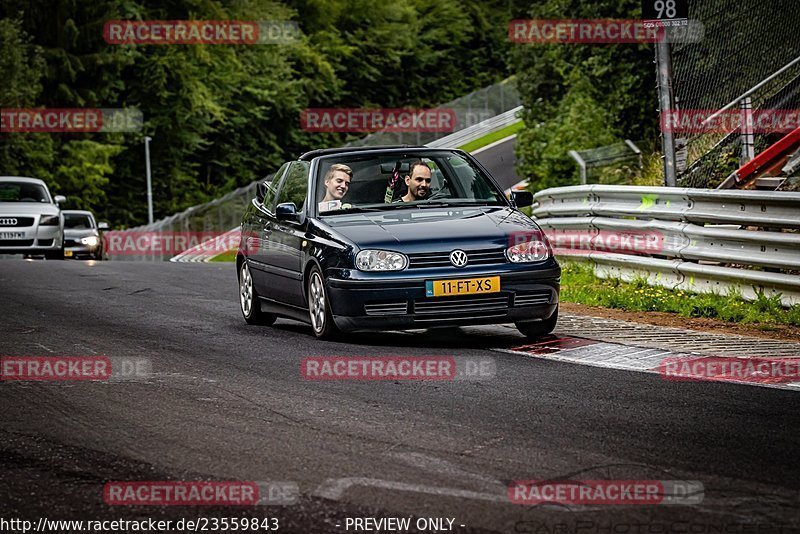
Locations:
491 137
579 284
230 255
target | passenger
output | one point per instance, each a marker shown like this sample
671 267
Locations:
418 182
337 182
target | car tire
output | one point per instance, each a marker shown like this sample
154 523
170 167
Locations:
55 255
249 302
538 329
319 310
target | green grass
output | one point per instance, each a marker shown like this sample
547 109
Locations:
229 255
579 284
491 137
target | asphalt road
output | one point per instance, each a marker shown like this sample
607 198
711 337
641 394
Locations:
226 401
500 161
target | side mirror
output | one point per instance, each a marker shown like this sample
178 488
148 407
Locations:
286 211
60 198
102 225
261 192
522 199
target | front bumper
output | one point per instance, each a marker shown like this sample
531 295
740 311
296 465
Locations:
73 248
380 304
33 240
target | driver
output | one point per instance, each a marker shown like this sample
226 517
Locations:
418 182
337 182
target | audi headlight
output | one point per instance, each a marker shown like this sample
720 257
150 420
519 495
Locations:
49 220
528 251
90 241
380 260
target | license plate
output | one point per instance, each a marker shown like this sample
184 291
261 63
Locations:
12 235
67 253
463 286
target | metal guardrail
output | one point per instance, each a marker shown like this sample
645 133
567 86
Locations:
476 131
470 109
707 240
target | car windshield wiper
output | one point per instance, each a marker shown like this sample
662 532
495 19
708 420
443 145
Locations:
360 209
456 203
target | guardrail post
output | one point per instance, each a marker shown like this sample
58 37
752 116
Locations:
664 71
748 151
581 164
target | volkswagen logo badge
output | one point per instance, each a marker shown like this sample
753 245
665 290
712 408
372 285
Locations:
458 258
8 222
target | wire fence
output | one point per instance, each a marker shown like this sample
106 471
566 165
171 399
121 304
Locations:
618 163
745 44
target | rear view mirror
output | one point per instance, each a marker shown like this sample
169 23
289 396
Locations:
387 168
60 198
102 225
286 211
522 199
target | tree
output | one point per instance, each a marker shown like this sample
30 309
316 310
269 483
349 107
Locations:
615 84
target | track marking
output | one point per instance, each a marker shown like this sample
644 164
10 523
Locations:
620 357
494 144
334 489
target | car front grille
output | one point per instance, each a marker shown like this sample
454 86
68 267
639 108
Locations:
398 307
533 298
495 304
70 242
16 242
15 222
421 260
45 242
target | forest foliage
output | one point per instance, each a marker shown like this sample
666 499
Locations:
222 116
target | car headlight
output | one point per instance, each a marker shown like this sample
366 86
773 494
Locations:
528 251
49 220
90 241
380 260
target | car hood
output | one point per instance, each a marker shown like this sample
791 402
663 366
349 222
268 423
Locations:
28 208
426 229
76 232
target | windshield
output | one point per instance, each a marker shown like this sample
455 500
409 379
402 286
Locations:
22 192
397 181
78 221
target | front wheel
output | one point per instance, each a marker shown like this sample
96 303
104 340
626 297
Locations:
319 309
249 301
538 329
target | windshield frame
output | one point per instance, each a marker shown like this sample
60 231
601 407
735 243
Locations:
402 153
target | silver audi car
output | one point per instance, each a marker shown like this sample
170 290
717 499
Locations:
30 220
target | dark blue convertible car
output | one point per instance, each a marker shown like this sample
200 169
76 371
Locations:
380 238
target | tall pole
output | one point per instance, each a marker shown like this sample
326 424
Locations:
664 68
748 149
149 180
